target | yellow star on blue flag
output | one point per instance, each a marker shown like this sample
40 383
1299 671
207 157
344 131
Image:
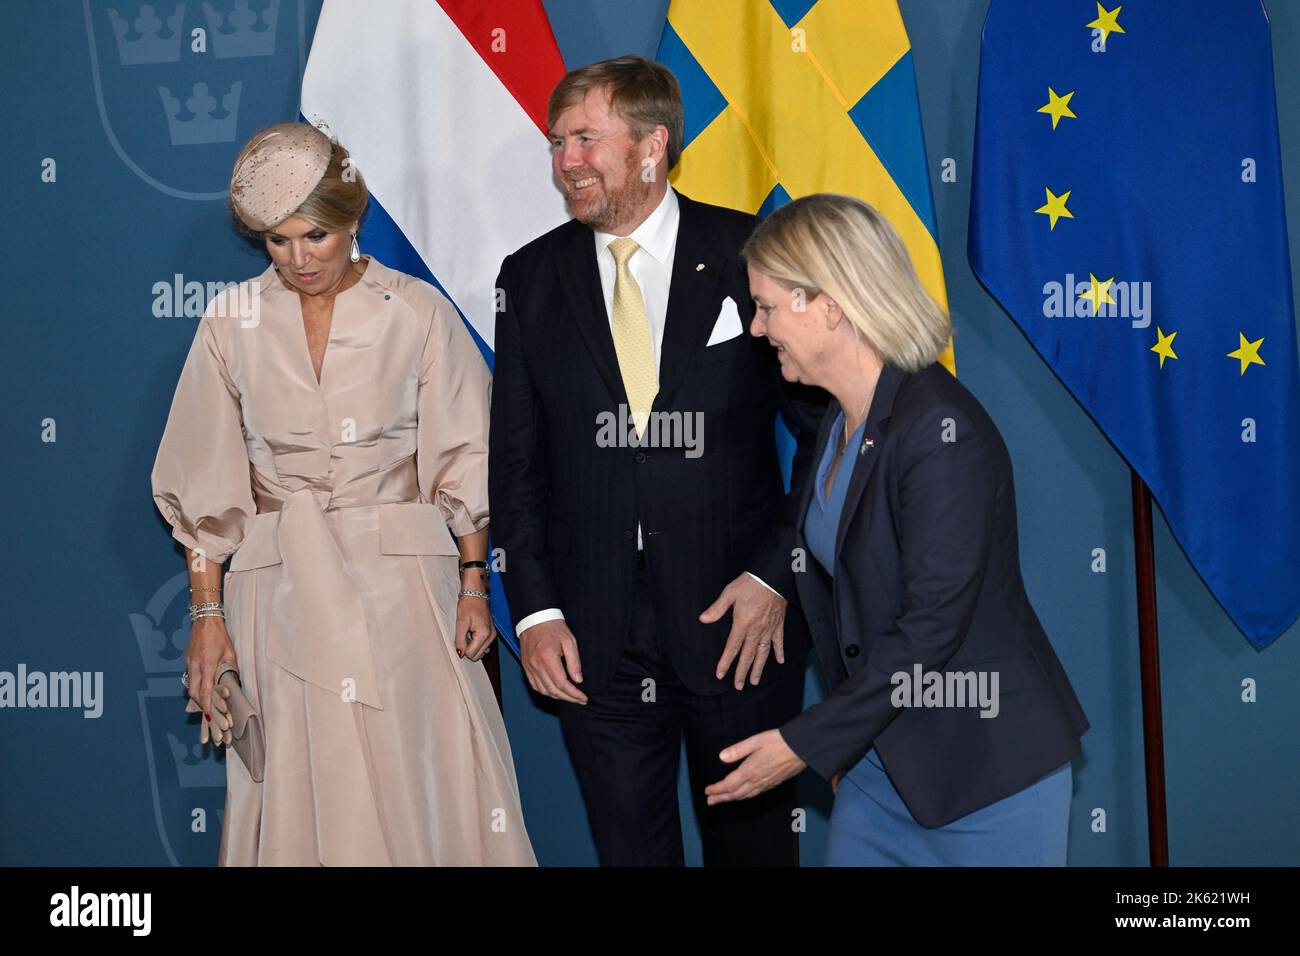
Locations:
1210 428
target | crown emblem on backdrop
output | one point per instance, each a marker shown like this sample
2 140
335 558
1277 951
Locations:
241 32
202 126
192 768
162 652
147 39
218 68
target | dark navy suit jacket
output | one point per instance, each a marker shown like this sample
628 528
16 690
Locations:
927 571
565 508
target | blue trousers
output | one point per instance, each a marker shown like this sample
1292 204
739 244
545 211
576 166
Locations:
871 826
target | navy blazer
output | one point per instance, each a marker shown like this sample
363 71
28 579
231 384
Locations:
927 572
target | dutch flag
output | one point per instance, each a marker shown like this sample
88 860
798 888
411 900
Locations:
442 105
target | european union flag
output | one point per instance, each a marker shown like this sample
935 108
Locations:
1127 212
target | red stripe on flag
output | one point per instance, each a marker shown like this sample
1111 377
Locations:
530 64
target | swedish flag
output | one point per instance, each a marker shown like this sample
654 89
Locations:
789 97
1127 212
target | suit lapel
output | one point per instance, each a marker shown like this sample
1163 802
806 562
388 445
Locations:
868 451
691 293
580 278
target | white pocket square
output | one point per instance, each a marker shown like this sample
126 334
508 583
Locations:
728 325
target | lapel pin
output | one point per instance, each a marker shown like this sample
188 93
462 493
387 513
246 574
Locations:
866 443
699 267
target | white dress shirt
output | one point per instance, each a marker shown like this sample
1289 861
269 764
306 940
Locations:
651 266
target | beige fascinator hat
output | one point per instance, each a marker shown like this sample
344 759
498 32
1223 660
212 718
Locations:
276 172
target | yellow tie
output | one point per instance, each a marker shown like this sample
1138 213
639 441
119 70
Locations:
636 357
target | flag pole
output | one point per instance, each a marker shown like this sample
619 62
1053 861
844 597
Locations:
1153 735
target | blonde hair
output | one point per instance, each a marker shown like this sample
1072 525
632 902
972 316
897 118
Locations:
339 199
843 247
644 93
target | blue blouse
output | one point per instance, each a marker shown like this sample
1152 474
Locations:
822 519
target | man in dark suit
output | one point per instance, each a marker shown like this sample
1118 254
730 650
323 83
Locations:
635 487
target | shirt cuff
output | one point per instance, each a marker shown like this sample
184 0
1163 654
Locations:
538 617
764 583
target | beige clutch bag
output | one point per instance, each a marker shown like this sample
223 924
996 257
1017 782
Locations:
249 741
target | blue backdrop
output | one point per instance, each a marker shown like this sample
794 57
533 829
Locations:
120 134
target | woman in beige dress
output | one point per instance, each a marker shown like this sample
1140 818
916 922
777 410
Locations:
329 427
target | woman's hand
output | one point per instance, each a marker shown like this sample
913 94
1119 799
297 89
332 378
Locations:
209 648
474 629
218 730
767 760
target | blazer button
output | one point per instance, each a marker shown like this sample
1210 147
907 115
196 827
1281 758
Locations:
629 534
640 457
851 651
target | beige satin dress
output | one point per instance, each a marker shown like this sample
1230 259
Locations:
382 746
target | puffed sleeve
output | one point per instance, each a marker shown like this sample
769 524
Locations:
455 393
201 474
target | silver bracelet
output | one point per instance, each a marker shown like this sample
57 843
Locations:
470 592
207 609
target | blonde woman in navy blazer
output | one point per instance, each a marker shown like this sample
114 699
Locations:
951 725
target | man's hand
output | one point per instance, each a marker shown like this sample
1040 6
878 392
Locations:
549 650
757 627
767 761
